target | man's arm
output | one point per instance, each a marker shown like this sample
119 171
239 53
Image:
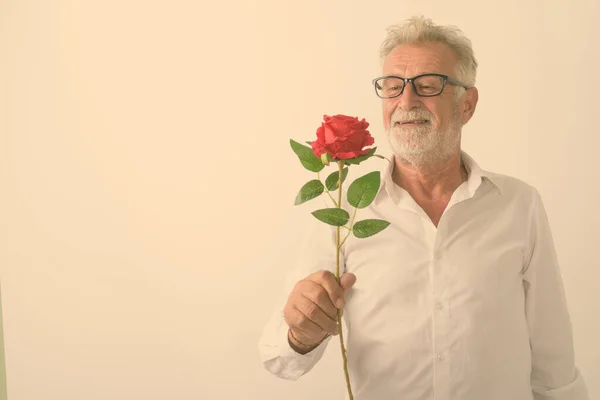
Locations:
282 354
554 374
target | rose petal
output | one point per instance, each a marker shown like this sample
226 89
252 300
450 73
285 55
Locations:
318 148
340 128
321 134
329 134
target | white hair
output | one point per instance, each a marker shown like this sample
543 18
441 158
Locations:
417 30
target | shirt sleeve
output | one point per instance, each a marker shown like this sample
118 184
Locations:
554 374
316 251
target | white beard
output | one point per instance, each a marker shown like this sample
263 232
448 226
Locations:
424 145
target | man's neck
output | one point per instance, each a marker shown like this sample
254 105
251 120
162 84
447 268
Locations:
430 182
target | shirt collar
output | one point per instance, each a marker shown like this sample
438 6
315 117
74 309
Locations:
476 175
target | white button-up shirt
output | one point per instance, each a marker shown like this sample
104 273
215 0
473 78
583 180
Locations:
471 310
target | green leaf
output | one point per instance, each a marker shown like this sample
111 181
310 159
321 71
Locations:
359 159
362 191
309 191
332 180
308 159
369 227
332 216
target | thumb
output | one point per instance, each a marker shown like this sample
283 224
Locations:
347 281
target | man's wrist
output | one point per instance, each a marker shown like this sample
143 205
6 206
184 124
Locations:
300 347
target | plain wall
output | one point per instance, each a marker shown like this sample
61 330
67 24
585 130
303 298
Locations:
147 183
3 388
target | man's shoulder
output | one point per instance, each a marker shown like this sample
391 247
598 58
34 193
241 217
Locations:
510 185
507 185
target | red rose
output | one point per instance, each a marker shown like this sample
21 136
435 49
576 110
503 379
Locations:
342 137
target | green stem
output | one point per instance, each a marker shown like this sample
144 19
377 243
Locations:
349 229
328 193
337 275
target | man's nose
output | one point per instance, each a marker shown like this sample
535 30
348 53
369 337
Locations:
409 99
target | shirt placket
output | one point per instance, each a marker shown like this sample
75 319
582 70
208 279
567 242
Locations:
439 315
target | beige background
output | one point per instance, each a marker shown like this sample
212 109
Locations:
147 181
2 358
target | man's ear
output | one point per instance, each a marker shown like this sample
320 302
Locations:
468 104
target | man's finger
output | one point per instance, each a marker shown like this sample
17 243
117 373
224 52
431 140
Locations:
321 298
315 314
327 280
347 280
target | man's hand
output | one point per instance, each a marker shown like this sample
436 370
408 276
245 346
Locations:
311 309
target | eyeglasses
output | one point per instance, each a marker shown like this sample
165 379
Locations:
426 85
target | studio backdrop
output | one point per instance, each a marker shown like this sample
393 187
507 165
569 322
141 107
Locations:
147 183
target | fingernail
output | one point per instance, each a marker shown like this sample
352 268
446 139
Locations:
339 303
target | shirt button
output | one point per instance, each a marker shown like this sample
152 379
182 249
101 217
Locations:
440 357
439 306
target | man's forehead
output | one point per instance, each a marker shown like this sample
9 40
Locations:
426 57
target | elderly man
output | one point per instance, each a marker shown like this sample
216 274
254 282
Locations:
461 296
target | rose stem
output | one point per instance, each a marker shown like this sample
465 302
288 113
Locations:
337 276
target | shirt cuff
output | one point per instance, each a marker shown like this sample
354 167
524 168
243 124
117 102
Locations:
282 360
576 390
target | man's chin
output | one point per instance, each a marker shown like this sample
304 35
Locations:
414 156
408 148
418 156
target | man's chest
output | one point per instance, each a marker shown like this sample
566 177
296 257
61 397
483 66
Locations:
413 268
